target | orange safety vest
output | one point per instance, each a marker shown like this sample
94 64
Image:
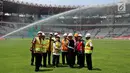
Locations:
64 45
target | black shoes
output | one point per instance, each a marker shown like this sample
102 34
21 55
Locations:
32 64
44 66
36 70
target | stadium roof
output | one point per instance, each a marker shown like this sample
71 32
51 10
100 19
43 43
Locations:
12 6
93 15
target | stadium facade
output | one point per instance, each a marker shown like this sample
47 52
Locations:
102 21
16 14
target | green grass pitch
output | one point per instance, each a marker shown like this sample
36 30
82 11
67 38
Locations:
109 56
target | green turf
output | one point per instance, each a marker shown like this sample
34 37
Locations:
109 56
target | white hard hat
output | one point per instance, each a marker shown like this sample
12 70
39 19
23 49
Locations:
58 36
56 33
88 35
51 33
43 34
65 34
70 34
39 32
80 35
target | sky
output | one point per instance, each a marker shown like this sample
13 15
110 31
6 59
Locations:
72 2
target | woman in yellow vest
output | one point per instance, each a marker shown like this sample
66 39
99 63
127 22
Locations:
64 49
56 51
88 50
37 46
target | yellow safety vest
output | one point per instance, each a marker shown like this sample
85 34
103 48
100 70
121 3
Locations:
88 47
44 46
38 45
51 45
58 45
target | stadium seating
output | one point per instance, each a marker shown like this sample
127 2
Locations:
100 21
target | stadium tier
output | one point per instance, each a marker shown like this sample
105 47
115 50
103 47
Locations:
101 21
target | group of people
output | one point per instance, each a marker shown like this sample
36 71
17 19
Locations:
68 47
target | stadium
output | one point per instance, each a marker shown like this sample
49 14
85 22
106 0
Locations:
108 24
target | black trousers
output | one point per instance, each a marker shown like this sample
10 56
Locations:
76 58
49 57
44 59
71 57
81 59
64 57
56 60
32 58
37 60
89 61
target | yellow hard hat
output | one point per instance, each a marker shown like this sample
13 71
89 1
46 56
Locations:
76 35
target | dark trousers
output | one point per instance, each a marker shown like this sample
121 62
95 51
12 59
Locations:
81 59
71 58
37 60
44 56
64 57
49 57
76 58
32 58
89 61
56 60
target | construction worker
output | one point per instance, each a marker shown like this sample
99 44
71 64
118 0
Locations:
44 49
56 51
55 35
50 48
80 50
32 54
88 50
75 43
64 49
37 46
71 50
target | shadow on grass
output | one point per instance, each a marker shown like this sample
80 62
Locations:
63 65
60 65
98 69
43 70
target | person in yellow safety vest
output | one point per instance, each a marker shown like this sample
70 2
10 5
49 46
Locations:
64 48
55 35
37 46
50 48
44 50
56 51
88 50
32 54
